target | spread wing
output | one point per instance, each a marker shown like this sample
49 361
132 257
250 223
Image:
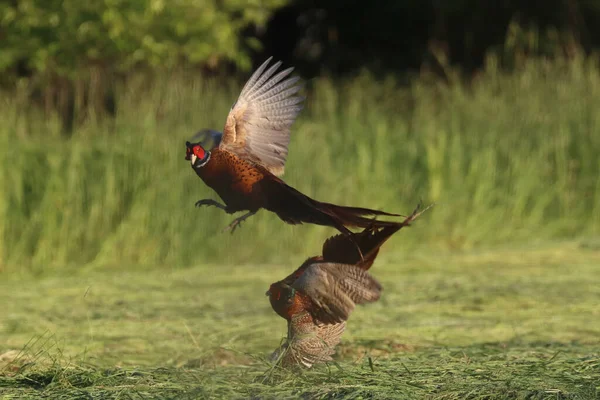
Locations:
258 126
308 343
336 288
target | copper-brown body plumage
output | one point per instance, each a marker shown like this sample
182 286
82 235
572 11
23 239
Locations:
244 168
236 181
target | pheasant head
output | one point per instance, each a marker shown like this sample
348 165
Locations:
285 300
196 154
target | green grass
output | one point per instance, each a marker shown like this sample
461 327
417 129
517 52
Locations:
513 323
113 285
513 157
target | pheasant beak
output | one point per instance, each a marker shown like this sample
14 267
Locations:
268 293
193 157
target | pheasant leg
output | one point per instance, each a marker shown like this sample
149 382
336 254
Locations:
238 222
211 202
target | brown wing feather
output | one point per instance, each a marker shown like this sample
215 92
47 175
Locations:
335 289
258 126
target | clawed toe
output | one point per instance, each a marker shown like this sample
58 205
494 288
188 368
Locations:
237 222
210 202
232 226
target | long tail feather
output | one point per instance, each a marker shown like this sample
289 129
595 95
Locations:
343 249
294 207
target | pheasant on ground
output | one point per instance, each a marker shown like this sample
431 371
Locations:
246 160
318 297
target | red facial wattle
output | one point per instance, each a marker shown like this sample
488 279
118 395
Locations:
274 292
199 152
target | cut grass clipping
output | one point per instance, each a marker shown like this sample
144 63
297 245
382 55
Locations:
504 324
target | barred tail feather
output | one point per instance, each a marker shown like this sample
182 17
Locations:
294 207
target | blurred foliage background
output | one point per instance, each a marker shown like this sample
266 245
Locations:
489 108
69 54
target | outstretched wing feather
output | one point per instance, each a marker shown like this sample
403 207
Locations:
335 289
258 126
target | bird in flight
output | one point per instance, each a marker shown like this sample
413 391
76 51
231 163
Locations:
318 297
244 165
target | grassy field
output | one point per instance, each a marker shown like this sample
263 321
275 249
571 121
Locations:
502 324
112 284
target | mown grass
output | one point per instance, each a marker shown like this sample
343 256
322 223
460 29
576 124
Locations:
492 294
509 158
513 323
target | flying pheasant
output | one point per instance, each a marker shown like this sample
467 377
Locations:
249 156
319 296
